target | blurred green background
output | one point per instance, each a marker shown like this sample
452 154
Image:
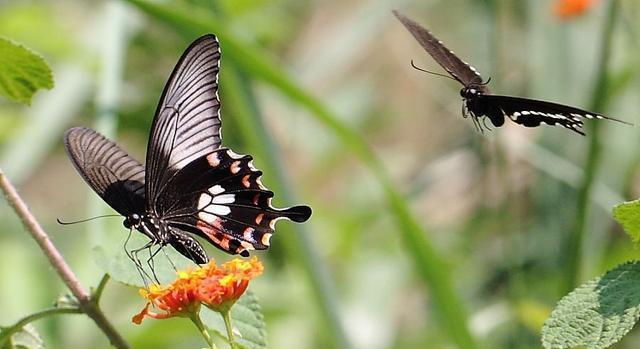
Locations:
425 233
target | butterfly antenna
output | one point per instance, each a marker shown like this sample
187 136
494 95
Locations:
61 222
486 82
430 72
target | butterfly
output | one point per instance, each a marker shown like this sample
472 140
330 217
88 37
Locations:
191 185
479 102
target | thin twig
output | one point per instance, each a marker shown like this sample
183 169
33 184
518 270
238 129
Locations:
85 301
7 332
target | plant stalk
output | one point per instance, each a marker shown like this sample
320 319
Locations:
599 101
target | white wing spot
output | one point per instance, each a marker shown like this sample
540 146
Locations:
266 239
216 189
223 199
207 217
204 201
218 210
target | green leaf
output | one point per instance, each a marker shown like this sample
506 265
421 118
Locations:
247 321
26 338
22 72
628 215
598 313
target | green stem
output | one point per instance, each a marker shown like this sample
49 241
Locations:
7 332
97 293
599 101
226 315
195 318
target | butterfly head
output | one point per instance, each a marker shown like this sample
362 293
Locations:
132 221
472 91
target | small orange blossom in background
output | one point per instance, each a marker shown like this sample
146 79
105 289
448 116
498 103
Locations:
566 9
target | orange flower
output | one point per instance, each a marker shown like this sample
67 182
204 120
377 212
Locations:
216 288
566 9
177 299
222 287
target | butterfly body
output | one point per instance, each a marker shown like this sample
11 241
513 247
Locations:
477 105
479 102
190 185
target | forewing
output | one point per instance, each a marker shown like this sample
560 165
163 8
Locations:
460 70
220 197
531 112
187 122
109 170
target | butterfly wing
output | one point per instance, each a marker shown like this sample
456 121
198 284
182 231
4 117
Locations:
460 70
187 122
220 197
109 170
531 112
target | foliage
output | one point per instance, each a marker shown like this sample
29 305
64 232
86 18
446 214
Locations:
424 232
22 72
598 313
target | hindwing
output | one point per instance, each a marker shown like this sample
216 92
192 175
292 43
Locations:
221 198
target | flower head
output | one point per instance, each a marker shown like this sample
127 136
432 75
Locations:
223 286
566 9
216 287
177 299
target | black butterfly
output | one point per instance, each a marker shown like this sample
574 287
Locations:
190 185
478 100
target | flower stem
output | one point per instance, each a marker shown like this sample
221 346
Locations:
195 318
226 315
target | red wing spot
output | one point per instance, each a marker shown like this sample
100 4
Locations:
235 167
246 181
216 236
213 159
259 218
255 199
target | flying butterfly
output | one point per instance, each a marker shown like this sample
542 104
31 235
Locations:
479 102
191 186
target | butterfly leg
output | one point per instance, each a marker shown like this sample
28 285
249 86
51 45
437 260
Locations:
151 263
135 260
476 123
484 122
138 263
